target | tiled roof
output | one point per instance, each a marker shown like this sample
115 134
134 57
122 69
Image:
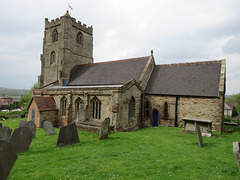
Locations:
187 79
108 73
45 103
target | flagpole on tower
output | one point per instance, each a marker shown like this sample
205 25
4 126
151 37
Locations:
69 7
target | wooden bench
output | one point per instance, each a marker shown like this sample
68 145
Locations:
205 125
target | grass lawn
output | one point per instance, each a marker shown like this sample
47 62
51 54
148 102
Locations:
151 153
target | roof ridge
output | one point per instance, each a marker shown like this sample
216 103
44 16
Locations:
113 61
190 63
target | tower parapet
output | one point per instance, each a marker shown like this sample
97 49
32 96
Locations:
76 24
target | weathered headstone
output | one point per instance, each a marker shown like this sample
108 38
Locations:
199 135
21 139
32 126
19 116
7 159
0 124
236 151
81 113
68 135
103 133
48 128
5 133
21 123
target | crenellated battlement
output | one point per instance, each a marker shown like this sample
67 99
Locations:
76 24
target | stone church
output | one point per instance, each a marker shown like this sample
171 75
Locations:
134 93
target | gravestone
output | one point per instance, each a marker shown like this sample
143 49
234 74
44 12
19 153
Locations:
7 159
48 128
68 135
21 123
81 113
19 116
199 135
32 126
21 139
103 133
5 133
236 151
0 124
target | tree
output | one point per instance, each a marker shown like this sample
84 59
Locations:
26 98
237 97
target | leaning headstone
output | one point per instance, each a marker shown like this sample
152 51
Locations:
7 159
5 133
0 124
103 133
21 139
19 116
236 151
48 128
68 135
199 135
21 123
32 126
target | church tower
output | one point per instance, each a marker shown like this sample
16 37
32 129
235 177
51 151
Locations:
66 43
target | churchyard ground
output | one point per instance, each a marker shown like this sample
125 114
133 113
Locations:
151 153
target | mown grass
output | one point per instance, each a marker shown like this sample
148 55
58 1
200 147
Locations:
151 153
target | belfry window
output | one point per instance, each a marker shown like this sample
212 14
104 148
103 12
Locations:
131 108
53 58
96 108
166 111
79 38
63 105
55 35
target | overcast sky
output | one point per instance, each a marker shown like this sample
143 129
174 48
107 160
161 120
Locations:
177 31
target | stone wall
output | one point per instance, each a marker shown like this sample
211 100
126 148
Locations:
191 107
157 103
202 108
123 122
37 114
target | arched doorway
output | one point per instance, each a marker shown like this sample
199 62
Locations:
155 117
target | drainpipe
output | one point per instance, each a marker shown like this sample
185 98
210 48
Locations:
176 111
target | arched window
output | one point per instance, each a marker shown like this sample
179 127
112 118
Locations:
96 108
55 35
131 108
166 111
53 58
63 104
79 104
79 38
147 109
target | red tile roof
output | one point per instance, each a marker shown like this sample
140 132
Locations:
45 103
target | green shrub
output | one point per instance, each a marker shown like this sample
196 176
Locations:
12 114
227 119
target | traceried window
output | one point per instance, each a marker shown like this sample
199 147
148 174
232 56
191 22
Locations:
55 35
131 108
79 38
166 111
96 108
63 105
53 58
147 109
